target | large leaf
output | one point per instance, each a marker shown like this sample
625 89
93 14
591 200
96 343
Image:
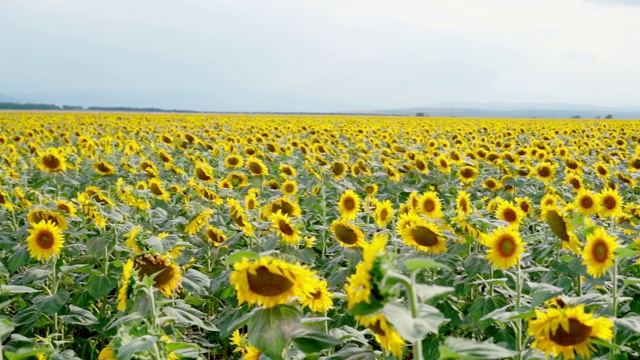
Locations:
410 328
17 289
314 341
196 282
51 304
271 329
101 285
458 348
426 292
353 353
238 255
79 316
137 345
185 314
630 322
418 263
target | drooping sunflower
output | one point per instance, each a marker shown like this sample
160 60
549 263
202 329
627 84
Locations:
256 167
289 187
505 247
107 353
338 170
463 203
132 239
318 299
568 331
347 234
282 224
610 203
204 172
238 179
423 236
349 205
238 216
561 227
598 253
123 291
66 206
384 333
168 275
586 203
156 187
198 222
45 241
52 160
634 164
269 282
383 213
510 213
287 171
286 206
429 205
361 286
97 195
103 167
215 236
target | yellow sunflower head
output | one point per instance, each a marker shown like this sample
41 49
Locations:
256 167
505 247
384 333
371 189
598 253
586 203
103 168
561 227
45 240
423 236
429 205
463 203
349 205
568 331
282 224
35 216
383 213
52 160
318 299
123 292
289 187
287 171
510 213
467 174
204 172
168 275
215 236
107 353
66 206
347 234
269 282
233 161
610 203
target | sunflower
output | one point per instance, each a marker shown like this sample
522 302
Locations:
233 161
505 247
286 206
132 239
66 206
423 236
318 299
524 203
107 353
463 203
545 172
98 195
45 241
634 164
561 227
215 236
567 331
429 205
383 213
251 200
598 254
510 213
5 201
371 189
164 156
586 203
338 169
238 216
347 234
287 171
281 223
198 222
362 285
383 332
467 174
204 172
256 166
52 160
602 170
413 201
549 200
421 165
348 205
289 187
156 188
34 216
491 184
610 203
167 274
127 271
103 168
269 282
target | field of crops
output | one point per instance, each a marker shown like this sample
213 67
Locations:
134 236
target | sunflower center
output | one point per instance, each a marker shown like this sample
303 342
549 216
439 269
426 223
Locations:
202 174
586 202
429 206
544 172
346 235
237 218
349 203
337 169
284 207
288 188
255 168
463 205
636 164
557 225
377 328
266 283
213 236
577 334
103 167
148 265
384 214
602 170
506 246
155 190
524 206
51 161
420 165
575 183
423 236
510 215
285 228
600 251
609 202
317 295
490 184
2 199
44 239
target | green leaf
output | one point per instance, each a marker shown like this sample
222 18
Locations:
17 289
241 321
271 329
26 353
426 292
458 348
137 345
66 269
196 282
310 341
362 309
96 246
101 285
630 322
6 328
353 353
414 264
51 304
410 328
79 316
185 314
18 259
623 253
238 255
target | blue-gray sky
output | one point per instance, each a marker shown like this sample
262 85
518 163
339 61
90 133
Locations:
321 55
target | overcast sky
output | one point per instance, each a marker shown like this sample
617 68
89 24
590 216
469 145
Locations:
324 55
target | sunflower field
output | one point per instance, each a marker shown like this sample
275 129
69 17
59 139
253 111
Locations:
135 236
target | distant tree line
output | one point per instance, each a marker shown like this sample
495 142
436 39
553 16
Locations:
18 106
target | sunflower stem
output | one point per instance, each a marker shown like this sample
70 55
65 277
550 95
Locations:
518 304
413 301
